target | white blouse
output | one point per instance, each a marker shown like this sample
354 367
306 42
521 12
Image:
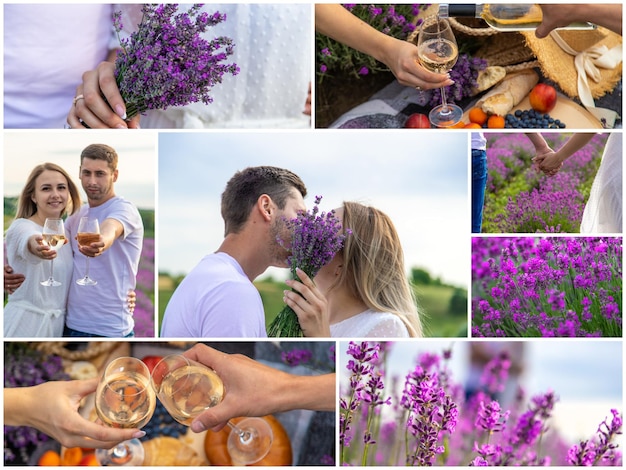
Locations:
370 324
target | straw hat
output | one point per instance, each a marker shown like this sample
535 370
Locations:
556 56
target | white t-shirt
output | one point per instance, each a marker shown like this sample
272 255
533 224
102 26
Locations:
34 310
370 324
47 47
103 309
479 141
215 300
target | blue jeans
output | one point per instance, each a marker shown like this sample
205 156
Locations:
71 333
479 183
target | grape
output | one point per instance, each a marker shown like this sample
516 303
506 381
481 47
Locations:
531 119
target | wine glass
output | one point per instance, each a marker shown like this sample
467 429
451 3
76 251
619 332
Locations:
88 233
187 388
124 399
54 238
437 51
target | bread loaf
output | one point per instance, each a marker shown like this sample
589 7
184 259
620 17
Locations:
167 451
509 92
488 77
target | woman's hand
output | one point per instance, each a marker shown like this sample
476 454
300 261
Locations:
52 407
401 57
98 103
310 306
38 248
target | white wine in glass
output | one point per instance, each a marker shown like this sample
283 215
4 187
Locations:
88 233
437 51
54 238
124 399
187 388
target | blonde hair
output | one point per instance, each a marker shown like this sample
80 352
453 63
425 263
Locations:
373 265
26 207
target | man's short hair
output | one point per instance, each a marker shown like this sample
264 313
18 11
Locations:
246 186
100 152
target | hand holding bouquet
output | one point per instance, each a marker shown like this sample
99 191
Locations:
166 62
316 238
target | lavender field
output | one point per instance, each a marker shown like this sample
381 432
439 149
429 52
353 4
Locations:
521 199
144 309
423 415
546 287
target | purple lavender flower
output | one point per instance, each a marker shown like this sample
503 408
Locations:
316 238
490 417
167 62
296 357
547 287
361 366
601 447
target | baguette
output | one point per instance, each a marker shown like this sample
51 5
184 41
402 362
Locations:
509 92
488 78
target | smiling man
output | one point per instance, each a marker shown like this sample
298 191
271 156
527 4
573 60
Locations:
103 309
217 298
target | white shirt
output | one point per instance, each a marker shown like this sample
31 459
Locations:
215 300
47 47
479 141
370 324
103 309
34 310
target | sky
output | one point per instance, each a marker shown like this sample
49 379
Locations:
419 179
23 150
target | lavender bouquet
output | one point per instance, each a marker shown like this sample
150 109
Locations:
167 62
316 237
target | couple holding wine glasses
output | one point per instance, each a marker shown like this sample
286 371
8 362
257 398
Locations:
50 299
203 388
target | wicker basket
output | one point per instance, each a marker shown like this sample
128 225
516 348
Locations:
92 350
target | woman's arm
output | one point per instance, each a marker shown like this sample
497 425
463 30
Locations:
52 407
334 21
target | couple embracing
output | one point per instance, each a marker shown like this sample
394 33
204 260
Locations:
69 309
362 292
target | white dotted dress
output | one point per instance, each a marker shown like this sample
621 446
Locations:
603 212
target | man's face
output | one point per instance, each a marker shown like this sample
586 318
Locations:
279 230
97 180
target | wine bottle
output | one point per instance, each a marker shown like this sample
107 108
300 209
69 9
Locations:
504 16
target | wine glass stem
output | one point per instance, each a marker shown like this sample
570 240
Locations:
444 102
120 451
244 436
51 268
87 268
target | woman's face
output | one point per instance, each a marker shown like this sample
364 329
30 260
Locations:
51 193
328 274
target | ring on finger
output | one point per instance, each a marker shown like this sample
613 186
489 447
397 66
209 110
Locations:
79 97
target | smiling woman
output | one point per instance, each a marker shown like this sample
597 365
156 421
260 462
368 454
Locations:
33 310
